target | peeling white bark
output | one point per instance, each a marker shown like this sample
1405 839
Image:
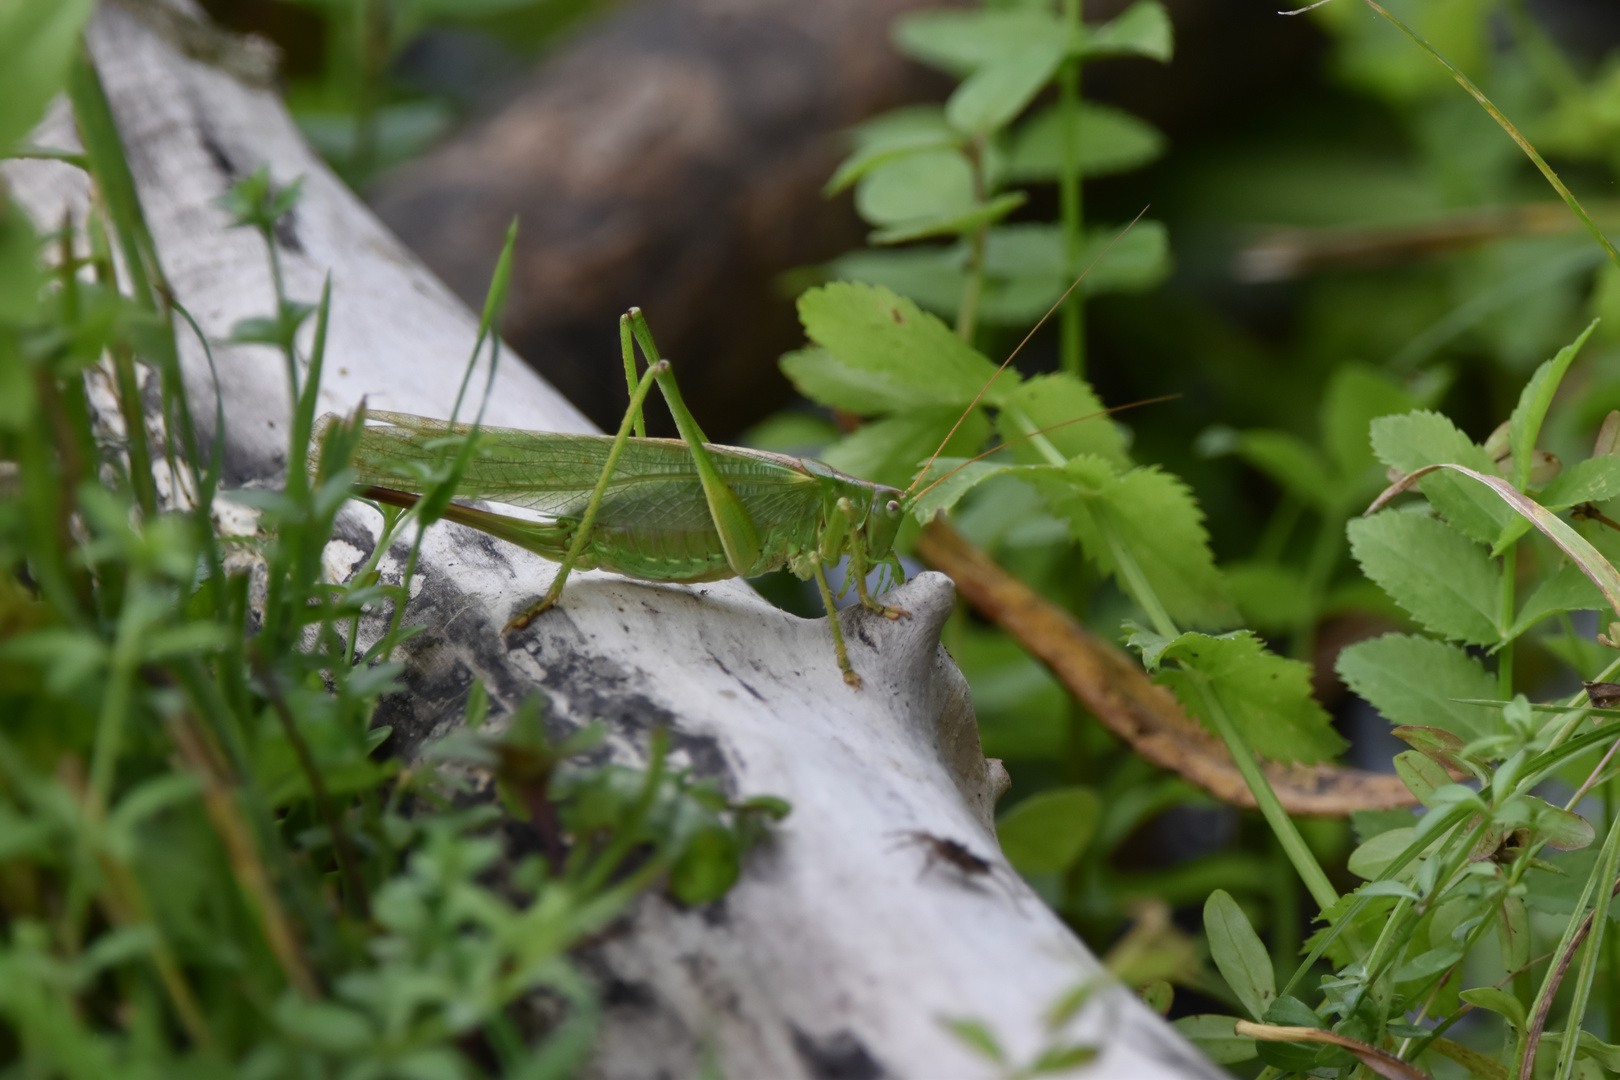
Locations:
843 947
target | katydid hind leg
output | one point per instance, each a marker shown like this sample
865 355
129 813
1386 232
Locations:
738 534
587 520
628 349
839 649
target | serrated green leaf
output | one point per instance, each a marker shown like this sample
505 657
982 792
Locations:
1239 954
1045 401
932 276
1047 832
1155 518
1447 583
1524 426
891 450
1106 141
1417 439
823 378
1295 465
927 184
1355 397
1001 89
1412 680
1566 590
1593 480
871 329
1143 29
1268 696
1216 1036
1579 550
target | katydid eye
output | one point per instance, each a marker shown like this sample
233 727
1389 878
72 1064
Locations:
894 506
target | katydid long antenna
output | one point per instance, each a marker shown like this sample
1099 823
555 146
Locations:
1012 355
1024 438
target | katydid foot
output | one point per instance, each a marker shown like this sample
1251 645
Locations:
529 614
888 611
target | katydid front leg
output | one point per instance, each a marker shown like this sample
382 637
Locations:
858 567
839 651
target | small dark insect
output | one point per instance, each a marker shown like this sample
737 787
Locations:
1603 695
941 849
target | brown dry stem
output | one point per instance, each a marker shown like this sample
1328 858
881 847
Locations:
1120 694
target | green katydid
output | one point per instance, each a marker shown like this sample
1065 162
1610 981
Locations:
676 510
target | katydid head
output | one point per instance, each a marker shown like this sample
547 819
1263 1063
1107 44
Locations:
883 520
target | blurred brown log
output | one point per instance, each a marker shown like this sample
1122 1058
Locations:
670 157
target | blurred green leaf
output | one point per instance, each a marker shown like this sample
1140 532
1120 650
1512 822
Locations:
1534 400
1143 29
1272 597
961 42
1214 1035
1106 140
998 91
706 868
949 223
1357 395
891 136
1047 832
37 41
925 184
891 450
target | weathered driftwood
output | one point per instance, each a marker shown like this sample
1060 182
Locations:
841 950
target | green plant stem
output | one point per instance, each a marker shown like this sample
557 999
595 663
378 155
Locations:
348 859
1513 133
1072 326
1599 890
1293 844
1271 808
1611 993
1504 655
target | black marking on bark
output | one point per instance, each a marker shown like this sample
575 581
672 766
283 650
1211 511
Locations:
217 155
866 639
839 1056
721 664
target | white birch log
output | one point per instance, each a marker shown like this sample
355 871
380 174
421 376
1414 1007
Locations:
844 947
